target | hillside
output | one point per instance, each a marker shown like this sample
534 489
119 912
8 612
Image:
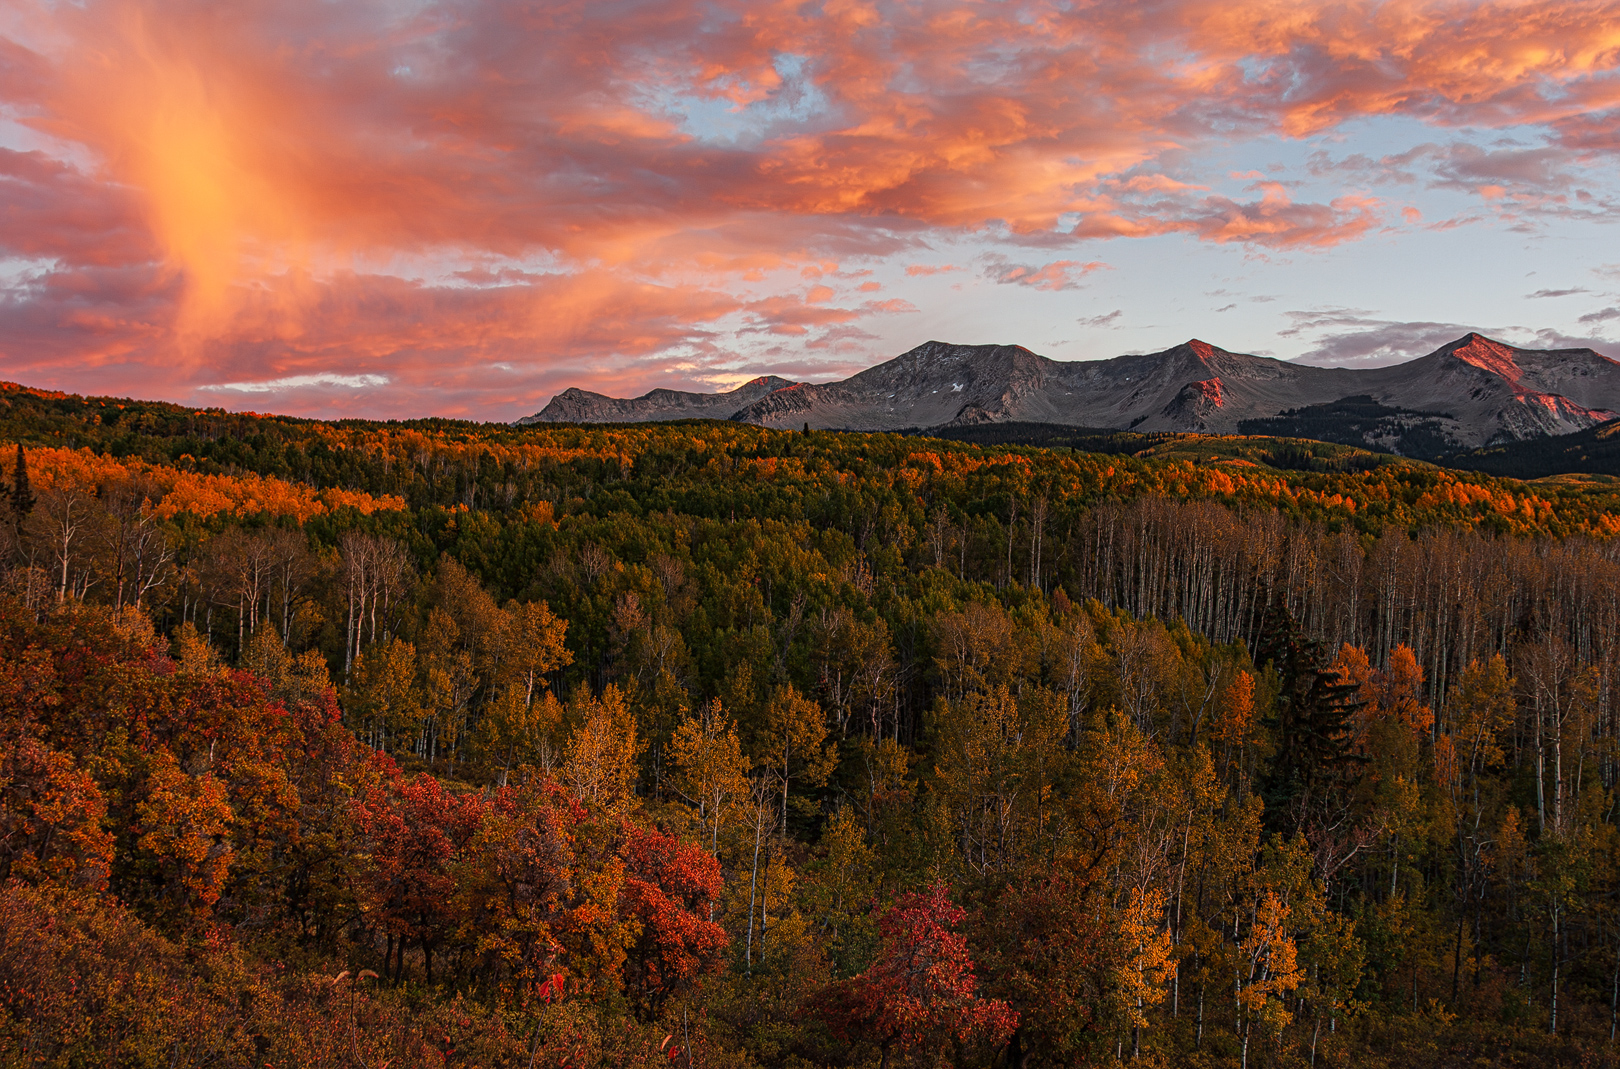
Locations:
451 743
1595 451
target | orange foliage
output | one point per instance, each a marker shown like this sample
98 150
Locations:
1236 711
1389 694
202 496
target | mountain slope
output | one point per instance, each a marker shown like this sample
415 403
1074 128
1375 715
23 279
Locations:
1496 392
1594 451
1469 393
583 406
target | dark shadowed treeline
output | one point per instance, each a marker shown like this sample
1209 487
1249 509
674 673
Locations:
538 747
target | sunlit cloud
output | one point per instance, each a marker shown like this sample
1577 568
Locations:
1352 337
301 382
1058 275
648 193
1349 337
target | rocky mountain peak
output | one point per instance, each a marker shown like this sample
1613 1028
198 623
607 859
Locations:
1470 392
1487 355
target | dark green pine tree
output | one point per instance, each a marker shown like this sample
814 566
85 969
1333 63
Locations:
21 493
1314 764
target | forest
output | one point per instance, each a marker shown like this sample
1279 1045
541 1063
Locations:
436 743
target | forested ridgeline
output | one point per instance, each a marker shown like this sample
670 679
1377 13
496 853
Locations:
444 744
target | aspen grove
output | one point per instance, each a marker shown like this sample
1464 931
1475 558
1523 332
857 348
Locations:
698 744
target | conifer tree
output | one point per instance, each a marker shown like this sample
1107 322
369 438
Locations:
22 494
1312 725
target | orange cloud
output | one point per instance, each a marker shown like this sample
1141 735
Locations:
273 189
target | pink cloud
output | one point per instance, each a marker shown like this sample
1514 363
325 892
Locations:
426 192
1273 221
1058 275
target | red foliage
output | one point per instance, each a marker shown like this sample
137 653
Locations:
921 991
668 889
215 797
417 833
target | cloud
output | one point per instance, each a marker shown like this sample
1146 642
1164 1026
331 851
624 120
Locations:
1109 320
53 209
325 379
1392 169
1352 337
915 270
1473 169
1518 183
1058 275
435 343
1273 221
1558 293
605 192
1547 338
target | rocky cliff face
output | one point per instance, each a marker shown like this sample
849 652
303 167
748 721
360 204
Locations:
1471 392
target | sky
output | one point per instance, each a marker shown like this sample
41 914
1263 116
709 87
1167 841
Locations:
402 208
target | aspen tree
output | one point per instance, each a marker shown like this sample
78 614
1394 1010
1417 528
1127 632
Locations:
385 697
599 762
793 742
710 771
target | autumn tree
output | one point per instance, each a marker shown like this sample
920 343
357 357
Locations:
51 817
385 696
450 683
921 992
418 834
519 887
668 889
599 763
532 646
792 742
710 771
183 824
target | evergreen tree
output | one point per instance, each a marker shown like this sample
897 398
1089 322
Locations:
1312 725
22 495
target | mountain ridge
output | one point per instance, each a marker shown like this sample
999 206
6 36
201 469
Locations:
582 406
1469 393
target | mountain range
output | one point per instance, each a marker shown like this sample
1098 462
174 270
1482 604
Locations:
1470 393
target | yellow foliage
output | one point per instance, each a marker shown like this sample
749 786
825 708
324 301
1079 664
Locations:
600 765
710 770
